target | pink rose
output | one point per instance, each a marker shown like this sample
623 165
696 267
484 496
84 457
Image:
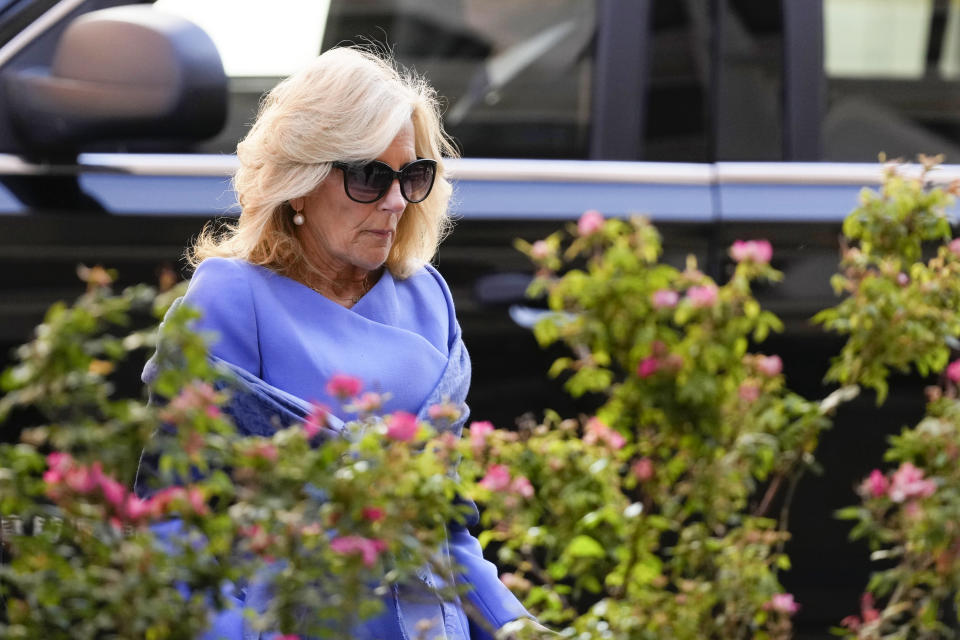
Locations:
316 421
265 450
749 392
197 501
851 622
196 395
540 250
368 402
59 464
642 469
343 386
673 362
870 614
368 548
113 491
769 366
137 508
52 477
954 247
81 479
479 432
953 369
664 299
447 442
373 514
521 485
59 461
782 603
867 610
497 478
758 251
259 539
597 431
401 426
590 222
445 411
648 366
615 440
908 482
876 485
702 296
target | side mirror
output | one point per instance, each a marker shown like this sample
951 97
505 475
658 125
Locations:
128 72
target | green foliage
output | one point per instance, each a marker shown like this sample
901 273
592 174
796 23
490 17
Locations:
652 519
897 308
900 311
663 515
91 560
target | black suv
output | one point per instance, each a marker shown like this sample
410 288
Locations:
117 124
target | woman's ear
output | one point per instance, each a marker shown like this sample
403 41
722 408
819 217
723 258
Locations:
296 204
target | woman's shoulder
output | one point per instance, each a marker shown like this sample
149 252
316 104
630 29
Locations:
221 290
429 299
216 267
218 281
430 285
229 273
429 279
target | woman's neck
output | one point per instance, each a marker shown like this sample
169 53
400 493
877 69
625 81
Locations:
344 286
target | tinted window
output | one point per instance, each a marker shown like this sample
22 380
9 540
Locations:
892 70
515 74
715 81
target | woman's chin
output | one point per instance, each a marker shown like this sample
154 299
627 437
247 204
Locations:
372 263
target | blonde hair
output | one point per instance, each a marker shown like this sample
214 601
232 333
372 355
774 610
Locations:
348 105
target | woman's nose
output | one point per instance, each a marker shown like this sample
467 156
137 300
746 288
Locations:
393 200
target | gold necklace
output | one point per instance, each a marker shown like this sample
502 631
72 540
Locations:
366 285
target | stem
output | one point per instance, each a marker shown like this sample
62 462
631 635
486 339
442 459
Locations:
631 561
785 509
544 577
768 496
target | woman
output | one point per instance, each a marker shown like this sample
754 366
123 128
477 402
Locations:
344 202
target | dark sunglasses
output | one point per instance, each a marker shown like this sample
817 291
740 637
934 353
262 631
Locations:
370 181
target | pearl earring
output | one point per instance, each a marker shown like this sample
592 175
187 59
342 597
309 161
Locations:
298 218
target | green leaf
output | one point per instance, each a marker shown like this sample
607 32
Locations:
584 546
591 583
559 366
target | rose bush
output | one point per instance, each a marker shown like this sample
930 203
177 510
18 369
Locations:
328 523
665 513
900 280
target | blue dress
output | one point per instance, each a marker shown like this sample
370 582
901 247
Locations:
401 337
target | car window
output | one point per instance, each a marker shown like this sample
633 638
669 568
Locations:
257 38
891 69
514 74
